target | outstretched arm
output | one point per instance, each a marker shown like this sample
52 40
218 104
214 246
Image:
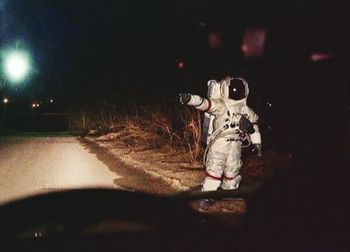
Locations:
195 101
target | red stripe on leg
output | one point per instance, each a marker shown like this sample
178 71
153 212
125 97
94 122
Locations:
211 176
229 178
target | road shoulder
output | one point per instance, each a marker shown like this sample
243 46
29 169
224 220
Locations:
172 170
135 175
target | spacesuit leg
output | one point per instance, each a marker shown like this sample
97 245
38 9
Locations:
231 177
215 162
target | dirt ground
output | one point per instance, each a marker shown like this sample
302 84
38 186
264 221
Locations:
172 166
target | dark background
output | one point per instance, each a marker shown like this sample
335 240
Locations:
80 47
86 52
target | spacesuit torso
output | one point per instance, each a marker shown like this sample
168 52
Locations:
229 112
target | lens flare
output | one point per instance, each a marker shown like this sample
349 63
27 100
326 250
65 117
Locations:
16 66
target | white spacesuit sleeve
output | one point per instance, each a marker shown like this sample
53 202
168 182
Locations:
212 106
253 118
200 103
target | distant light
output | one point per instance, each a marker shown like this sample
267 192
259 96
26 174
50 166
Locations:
16 65
245 48
5 100
181 64
215 39
269 104
51 100
315 57
35 105
253 44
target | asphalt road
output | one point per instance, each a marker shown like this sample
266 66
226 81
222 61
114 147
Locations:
33 165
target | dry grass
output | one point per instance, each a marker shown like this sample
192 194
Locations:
192 133
168 129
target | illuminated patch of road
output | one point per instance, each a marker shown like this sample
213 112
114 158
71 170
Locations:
35 165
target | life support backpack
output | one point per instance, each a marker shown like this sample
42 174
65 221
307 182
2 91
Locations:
216 90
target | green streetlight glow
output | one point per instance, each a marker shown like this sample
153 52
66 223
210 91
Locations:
16 65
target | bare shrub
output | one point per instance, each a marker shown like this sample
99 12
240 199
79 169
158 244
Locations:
192 133
163 123
168 128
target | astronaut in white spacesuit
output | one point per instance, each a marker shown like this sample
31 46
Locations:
228 123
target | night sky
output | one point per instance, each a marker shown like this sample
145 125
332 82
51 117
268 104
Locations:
102 48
